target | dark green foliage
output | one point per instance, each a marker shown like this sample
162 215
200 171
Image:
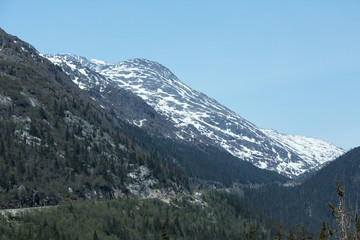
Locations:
307 203
251 234
323 233
280 233
164 235
357 226
299 232
57 143
204 164
291 235
95 237
223 217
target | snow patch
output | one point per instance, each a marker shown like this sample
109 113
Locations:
140 123
5 101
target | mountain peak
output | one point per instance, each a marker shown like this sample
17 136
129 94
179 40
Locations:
140 61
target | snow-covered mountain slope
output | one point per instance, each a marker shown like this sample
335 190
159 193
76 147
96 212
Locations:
123 103
314 152
196 116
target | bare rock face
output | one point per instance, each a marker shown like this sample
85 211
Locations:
144 185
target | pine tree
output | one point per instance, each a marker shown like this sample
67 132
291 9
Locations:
164 235
323 233
280 233
357 226
95 236
303 234
251 234
291 235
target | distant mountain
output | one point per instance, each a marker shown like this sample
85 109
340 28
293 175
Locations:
191 116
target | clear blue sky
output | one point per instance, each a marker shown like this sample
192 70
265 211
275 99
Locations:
293 66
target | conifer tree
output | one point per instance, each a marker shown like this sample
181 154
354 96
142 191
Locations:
251 234
357 226
164 235
291 235
280 233
95 236
323 233
305 234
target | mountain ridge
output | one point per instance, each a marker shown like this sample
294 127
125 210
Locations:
205 163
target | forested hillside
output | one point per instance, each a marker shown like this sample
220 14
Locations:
57 143
212 216
204 163
307 203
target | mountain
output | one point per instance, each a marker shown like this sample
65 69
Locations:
60 142
200 161
193 117
307 203
123 103
57 143
95 140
